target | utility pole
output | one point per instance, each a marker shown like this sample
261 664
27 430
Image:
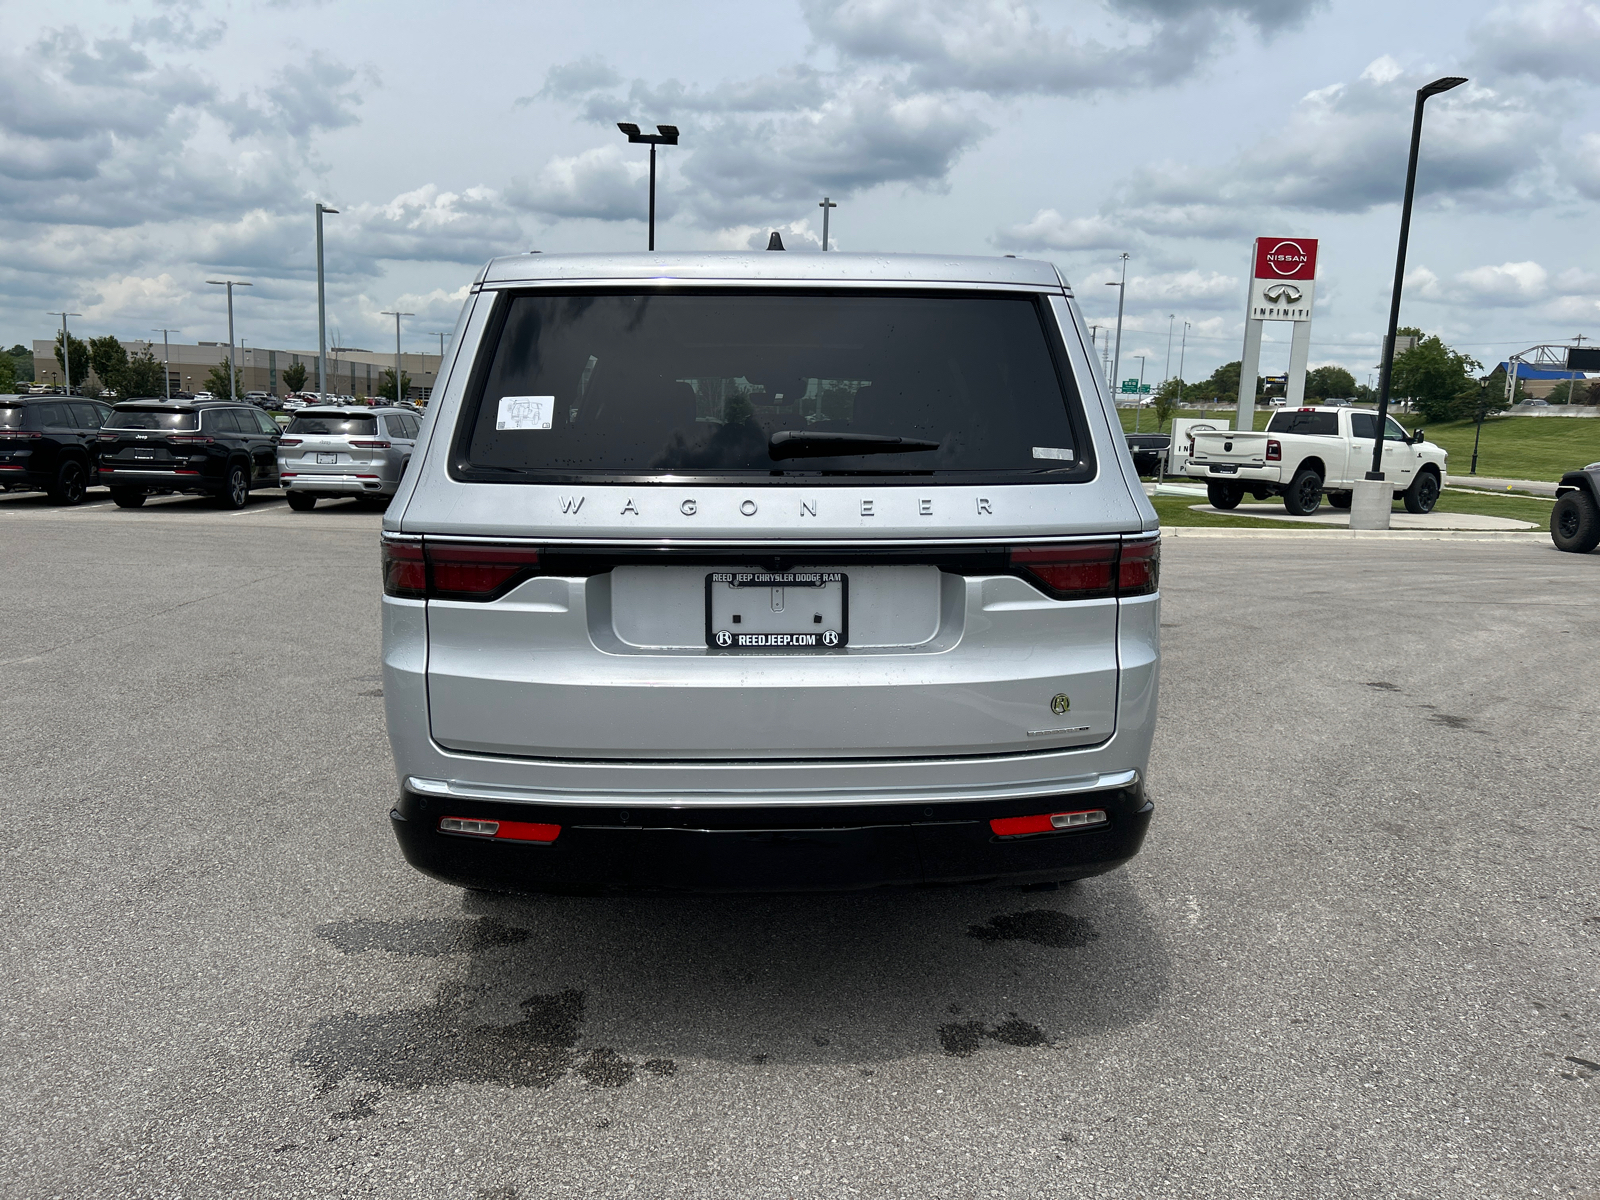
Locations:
322 313
398 397
166 360
825 206
233 371
1122 294
66 347
1166 371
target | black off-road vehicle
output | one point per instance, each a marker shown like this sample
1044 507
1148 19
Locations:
1575 520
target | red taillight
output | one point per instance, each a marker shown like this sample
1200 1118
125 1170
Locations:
510 831
1139 572
451 571
1274 450
457 572
1090 570
191 439
109 437
1047 822
1072 572
283 441
374 445
405 574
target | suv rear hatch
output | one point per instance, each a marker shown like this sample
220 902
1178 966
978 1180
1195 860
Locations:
631 649
1229 448
329 442
153 438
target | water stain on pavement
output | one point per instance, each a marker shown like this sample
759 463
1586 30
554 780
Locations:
421 937
604 1067
961 1039
440 1044
1042 927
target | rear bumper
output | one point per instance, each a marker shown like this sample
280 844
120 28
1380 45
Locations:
1200 470
768 849
338 485
171 481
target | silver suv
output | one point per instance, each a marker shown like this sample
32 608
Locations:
333 452
776 571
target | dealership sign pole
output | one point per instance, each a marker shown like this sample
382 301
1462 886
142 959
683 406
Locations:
1282 288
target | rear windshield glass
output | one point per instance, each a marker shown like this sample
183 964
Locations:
1319 423
336 424
150 418
779 384
11 416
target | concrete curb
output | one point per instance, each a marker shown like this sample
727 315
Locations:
1325 533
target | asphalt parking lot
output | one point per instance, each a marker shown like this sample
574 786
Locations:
1358 956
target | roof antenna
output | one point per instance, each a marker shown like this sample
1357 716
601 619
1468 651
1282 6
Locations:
774 242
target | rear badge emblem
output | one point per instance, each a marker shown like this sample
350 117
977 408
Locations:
1059 703
724 638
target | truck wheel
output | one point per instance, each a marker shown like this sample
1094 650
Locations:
1575 523
1423 493
1224 495
1304 493
1340 499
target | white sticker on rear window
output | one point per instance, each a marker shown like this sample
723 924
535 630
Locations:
526 412
1052 452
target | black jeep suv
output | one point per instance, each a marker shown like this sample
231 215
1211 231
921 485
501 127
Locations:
213 448
48 444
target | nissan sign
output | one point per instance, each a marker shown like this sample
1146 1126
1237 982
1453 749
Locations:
1286 258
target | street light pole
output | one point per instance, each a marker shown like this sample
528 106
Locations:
233 371
166 360
322 313
66 347
1182 350
1122 293
1423 93
825 206
397 315
1166 371
667 135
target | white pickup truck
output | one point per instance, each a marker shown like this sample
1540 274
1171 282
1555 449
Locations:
1306 453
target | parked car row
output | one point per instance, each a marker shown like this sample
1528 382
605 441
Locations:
144 447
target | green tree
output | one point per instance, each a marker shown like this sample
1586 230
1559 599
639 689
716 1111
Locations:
21 363
1224 381
110 362
217 381
144 376
80 357
386 387
1438 380
1326 383
294 377
1167 398
8 374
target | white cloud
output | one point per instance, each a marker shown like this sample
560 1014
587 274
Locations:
1511 283
1548 40
603 183
1049 230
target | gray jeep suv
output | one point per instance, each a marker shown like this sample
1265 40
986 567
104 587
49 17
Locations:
774 571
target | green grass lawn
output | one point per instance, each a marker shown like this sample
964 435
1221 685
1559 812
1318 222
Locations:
1176 510
1512 447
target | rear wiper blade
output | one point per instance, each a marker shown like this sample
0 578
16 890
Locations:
791 443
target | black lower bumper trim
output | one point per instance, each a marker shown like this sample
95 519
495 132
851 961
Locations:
768 849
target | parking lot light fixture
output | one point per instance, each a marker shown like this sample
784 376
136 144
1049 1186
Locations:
1122 294
230 284
66 347
322 313
1423 93
398 398
665 135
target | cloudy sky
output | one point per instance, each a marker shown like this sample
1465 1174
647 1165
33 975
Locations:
146 146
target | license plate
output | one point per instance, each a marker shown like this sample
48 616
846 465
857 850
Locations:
777 612
143 457
1218 470
325 458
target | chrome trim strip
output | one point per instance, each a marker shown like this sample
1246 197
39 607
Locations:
781 544
753 798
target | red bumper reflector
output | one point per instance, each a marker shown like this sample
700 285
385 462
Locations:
510 831
1046 822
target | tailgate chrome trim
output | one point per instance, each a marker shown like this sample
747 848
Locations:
748 797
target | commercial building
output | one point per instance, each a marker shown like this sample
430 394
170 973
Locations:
351 371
